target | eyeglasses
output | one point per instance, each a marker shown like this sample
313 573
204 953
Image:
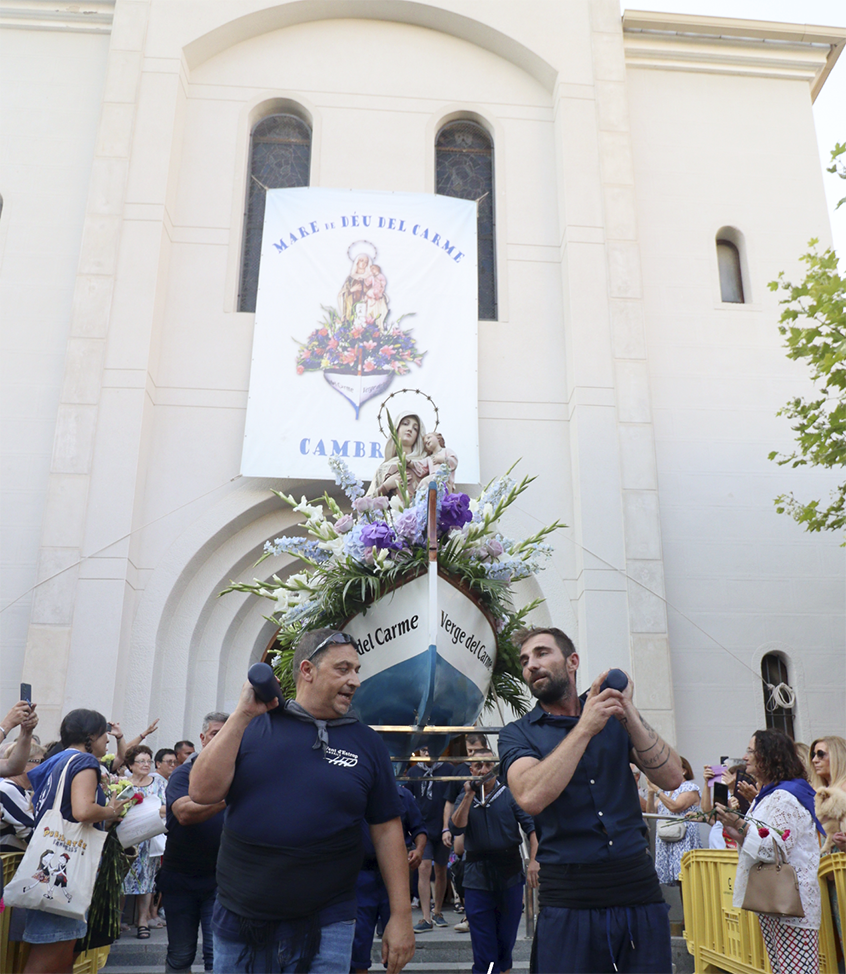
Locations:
336 639
819 754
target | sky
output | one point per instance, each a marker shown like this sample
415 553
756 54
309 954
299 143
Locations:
830 106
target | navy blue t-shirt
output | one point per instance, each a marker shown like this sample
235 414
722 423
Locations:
597 817
191 849
45 780
430 795
285 792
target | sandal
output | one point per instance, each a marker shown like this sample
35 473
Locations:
143 933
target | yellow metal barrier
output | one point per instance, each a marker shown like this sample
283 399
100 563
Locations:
13 954
724 938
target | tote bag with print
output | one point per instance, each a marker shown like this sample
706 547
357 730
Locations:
57 872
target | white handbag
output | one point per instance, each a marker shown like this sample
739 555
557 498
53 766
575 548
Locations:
671 830
57 872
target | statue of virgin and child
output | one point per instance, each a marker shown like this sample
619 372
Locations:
363 293
425 455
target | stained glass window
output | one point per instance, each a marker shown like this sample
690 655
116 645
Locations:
280 157
464 163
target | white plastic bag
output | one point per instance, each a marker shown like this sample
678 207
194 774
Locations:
141 822
57 872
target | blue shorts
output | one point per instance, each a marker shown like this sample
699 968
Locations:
437 851
50 928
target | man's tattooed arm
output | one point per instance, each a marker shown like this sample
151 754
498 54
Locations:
651 753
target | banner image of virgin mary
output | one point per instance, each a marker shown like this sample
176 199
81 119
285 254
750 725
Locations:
356 346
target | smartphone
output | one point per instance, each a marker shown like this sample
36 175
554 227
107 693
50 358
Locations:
719 770
26 693
721 793
129 790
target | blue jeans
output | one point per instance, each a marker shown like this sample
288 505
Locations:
336 939
186 912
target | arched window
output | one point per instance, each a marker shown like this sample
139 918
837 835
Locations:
731 271
774 676
464 164
280 158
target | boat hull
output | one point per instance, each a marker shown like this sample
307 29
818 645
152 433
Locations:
405 680
357 389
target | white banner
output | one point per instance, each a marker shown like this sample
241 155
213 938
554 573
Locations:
361 294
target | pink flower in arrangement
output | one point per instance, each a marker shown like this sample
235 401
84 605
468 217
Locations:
763 832
369 345
323 331
300 370
386 350
349 356
333 343
356 332
785 833
369 364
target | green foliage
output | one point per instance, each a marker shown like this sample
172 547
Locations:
838 167
814 325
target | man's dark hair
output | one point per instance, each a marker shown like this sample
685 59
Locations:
308 642
562 640
776 758
177 747
162 753
81 727
475 739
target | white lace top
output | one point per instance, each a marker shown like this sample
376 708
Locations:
781 810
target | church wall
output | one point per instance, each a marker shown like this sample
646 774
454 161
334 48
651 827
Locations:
739 152
52 83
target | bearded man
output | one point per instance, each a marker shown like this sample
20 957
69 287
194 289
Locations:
567 765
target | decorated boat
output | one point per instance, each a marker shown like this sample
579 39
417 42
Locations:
358 388
419 576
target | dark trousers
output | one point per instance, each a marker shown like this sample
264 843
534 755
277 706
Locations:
634 938
494 919
372 898
186 910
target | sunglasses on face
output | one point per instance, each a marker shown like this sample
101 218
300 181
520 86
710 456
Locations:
336 639
819 754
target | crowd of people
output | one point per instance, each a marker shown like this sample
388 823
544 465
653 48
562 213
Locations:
290 843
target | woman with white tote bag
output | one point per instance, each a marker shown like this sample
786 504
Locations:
84 735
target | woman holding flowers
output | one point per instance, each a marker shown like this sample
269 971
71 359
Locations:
782 815
141 879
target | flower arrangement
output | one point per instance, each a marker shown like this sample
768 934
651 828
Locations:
354 557
358 346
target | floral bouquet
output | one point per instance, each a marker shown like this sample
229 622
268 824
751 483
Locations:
358 346
354 557
763 828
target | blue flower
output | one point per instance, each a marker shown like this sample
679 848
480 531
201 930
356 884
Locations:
454 513
344 478
379 535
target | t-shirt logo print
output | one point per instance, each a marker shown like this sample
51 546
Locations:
344 759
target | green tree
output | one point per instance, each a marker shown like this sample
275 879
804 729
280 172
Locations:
814 325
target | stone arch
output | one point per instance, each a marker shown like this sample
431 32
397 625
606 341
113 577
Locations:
417 14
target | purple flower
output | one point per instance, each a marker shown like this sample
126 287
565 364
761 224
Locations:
455 512
362 504
379 535
344 523
379 504
406 524
494 548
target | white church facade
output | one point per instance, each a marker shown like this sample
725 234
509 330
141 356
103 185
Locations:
648 176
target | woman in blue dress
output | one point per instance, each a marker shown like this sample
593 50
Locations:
685 798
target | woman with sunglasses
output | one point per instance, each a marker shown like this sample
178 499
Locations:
828 761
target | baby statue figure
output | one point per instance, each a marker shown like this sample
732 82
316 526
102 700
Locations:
438 454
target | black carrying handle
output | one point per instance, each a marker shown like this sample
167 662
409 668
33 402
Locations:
264 683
